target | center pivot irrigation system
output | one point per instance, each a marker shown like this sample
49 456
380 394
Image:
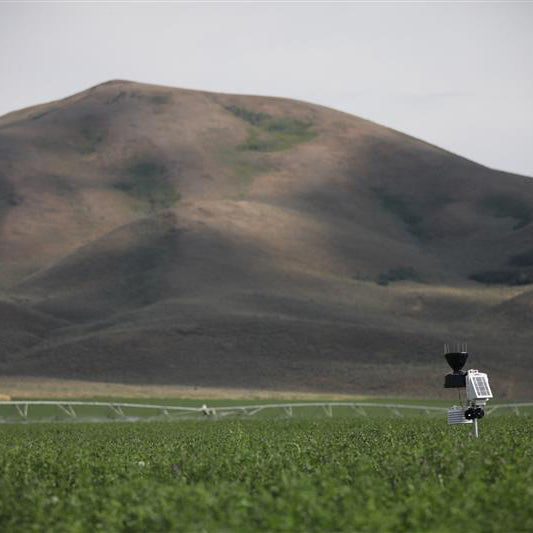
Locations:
27 410
83 411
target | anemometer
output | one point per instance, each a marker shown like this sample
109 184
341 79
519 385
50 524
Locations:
476 384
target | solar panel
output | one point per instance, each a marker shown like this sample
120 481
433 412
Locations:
481 386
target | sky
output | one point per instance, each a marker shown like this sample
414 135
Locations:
456 74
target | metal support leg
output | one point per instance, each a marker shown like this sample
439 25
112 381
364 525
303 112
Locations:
68 409
288 410
22 410
328 410
117 409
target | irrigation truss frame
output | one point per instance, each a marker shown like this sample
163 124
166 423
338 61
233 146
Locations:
119 410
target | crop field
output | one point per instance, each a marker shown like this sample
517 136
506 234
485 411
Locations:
241 475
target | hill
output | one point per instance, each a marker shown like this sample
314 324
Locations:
159 235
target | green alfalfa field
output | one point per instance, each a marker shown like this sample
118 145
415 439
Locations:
306 473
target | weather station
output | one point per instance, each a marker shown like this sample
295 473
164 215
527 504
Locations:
471 408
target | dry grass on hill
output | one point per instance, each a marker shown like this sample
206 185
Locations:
152 235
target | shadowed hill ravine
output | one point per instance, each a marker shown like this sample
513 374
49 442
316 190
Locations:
159 235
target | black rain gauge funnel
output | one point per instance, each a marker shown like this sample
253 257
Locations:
456 360
476 384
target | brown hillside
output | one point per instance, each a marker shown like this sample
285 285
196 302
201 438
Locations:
159 235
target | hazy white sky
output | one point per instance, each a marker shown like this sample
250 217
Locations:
457 74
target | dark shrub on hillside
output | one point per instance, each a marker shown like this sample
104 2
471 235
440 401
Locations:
252 117
398 274
272 134
503 277
506 205
521 260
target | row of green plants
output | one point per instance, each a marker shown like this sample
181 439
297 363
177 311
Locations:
307 474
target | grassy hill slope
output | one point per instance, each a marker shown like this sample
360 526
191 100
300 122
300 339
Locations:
174 236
